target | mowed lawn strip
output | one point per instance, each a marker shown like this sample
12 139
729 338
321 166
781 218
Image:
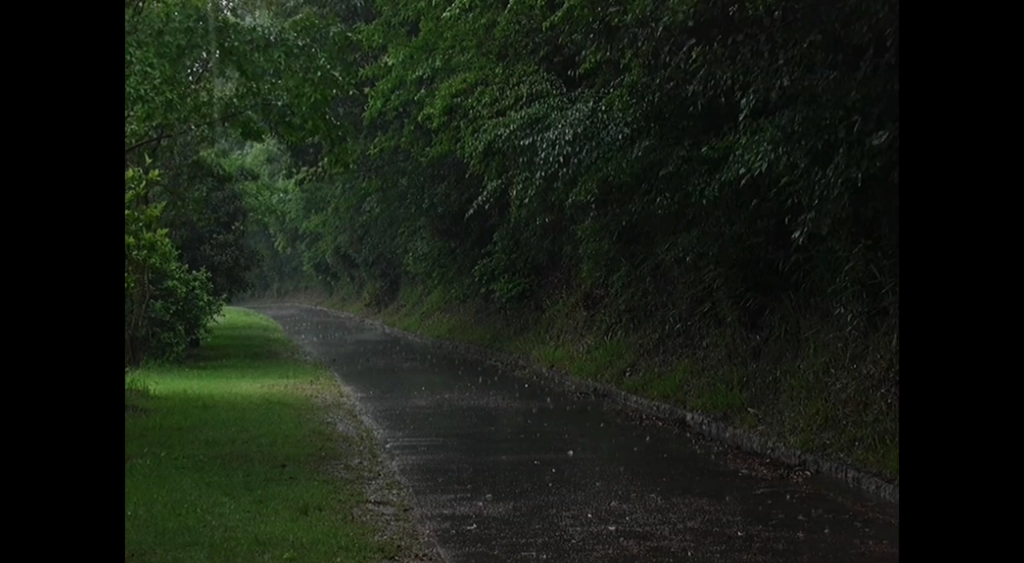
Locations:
230 456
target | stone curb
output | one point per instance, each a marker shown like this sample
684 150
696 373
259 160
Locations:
745 440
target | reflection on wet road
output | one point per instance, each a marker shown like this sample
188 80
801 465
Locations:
505 469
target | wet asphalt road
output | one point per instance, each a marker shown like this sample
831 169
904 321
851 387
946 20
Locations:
504 469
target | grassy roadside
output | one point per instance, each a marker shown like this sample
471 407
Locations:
798 391
231 457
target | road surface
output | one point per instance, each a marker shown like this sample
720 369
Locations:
504 468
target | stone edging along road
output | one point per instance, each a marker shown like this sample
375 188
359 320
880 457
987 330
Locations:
745 440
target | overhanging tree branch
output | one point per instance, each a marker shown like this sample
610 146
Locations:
189 129
149 141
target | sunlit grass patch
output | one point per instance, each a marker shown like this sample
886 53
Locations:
228 460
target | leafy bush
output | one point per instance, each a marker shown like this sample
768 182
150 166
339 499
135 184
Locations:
166 305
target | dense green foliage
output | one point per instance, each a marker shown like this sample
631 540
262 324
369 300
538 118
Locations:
196 72
714 181
205 214
166 304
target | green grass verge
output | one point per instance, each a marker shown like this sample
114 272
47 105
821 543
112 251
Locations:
230 457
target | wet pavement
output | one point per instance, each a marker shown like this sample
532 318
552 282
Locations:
503 468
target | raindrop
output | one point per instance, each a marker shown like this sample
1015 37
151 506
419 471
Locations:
570 453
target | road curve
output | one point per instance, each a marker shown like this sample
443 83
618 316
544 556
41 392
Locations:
505 469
